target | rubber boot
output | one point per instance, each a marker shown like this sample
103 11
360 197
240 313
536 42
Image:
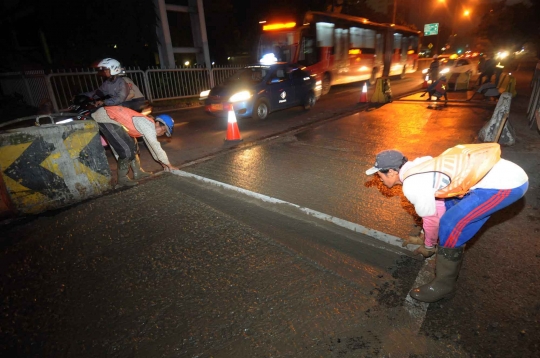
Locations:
446 270
425 251
123 179
138 172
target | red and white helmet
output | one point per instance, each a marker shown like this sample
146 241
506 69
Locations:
110 63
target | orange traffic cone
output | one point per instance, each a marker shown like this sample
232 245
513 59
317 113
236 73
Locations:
425 85
363 94
233 134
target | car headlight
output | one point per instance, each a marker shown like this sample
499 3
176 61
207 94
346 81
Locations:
240 96
446 70
204 94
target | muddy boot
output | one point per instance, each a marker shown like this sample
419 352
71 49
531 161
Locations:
446 270
425 251
138 172
122 170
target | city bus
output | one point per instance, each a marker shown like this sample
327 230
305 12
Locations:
340 48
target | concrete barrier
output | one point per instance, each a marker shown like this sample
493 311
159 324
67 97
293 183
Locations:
382 93
51 166
459 81
492 129
507 83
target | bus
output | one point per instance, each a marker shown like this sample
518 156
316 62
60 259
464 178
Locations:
340 48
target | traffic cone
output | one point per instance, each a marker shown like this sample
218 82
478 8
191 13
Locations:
363 94
425 85
233 134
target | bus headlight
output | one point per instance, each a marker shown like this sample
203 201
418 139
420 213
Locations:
240 96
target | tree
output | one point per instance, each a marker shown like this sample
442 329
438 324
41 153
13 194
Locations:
509 26
57 33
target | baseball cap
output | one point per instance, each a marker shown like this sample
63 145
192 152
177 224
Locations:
387 159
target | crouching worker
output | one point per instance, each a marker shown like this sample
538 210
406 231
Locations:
437 89
139 125
474 182
117 137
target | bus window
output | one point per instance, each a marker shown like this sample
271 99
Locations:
404 48
379 52
363 39
341 49
397 42
413 43
278 43
325 34
308 54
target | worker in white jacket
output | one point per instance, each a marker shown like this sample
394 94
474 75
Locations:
462 217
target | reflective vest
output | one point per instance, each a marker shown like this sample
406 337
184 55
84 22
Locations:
440 87
465 165
124 116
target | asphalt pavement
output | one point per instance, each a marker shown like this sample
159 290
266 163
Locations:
218 261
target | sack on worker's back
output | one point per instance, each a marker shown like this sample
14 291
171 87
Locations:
465 165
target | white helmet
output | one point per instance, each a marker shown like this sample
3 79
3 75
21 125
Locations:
110 63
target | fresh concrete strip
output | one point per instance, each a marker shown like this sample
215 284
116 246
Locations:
416 310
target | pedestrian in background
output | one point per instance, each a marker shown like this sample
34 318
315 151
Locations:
434 69
488 70
464 215
481 64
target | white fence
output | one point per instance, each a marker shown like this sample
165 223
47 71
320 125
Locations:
156 84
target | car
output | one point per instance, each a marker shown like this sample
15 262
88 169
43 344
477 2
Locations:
459 65
257 90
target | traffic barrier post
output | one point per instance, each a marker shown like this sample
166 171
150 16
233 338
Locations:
51 166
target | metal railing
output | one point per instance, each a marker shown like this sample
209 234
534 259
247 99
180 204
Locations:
156 84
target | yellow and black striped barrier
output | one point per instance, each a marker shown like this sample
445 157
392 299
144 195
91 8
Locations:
51 166
382 93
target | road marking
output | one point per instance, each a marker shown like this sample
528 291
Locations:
417 310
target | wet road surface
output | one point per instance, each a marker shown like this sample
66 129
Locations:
188 270
176 267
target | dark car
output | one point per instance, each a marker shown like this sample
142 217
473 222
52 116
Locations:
258 90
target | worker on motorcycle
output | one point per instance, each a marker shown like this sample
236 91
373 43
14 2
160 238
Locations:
117 89
135 99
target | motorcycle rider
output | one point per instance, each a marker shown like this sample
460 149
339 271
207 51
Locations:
114 86
135 99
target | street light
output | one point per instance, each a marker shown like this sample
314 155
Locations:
466 13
